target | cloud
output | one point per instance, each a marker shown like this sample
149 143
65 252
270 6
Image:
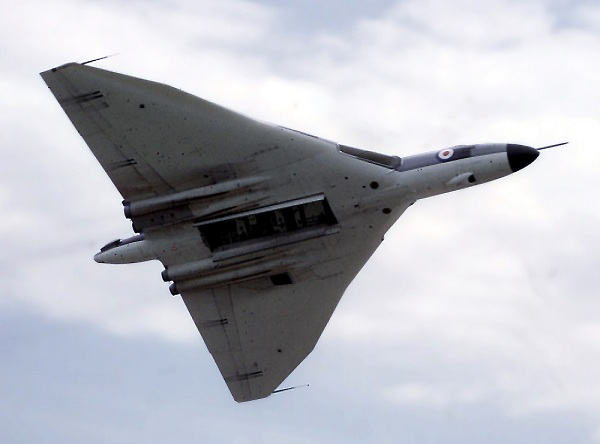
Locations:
418 395
483 296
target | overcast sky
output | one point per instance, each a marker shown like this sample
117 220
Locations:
478 320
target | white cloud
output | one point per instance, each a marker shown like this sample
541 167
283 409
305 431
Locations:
420 395
497 283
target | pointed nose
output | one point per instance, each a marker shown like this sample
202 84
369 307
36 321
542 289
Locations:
519 156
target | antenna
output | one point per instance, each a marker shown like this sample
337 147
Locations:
552 146
290 388
99 58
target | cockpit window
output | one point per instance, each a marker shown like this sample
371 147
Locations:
372 157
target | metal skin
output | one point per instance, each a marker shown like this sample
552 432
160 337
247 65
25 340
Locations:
418 177
260 228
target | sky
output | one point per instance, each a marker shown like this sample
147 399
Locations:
477 320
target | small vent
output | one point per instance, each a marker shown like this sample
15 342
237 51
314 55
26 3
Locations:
216 323
281 279
88 97
244 377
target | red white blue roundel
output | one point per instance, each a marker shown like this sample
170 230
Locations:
446 154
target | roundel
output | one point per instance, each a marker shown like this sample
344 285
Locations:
446 154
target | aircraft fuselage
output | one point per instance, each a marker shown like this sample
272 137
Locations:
411 178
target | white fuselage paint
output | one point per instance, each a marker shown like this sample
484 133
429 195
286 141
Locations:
391 192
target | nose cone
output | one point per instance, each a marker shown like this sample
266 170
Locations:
519 156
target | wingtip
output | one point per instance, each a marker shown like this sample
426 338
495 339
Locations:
58 68
70 64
